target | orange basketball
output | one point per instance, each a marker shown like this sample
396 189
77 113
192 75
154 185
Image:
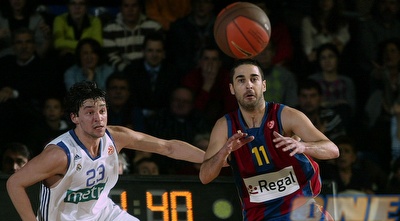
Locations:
242 30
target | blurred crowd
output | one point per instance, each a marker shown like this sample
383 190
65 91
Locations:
337 61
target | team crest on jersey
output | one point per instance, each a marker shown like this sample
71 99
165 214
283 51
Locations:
270 124
78 167
110 150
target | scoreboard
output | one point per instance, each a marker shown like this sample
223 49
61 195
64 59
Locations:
159 198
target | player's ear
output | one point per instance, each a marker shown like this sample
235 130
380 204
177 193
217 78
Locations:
264 85
74 118
231 89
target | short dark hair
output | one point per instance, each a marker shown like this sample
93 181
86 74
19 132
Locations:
344 139
96 46
240 62
80 92
16 147
20 31
328 46
154 36
382 47
117 75
309 84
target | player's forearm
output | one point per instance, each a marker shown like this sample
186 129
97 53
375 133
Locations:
20 200
323 150
211 167
184 151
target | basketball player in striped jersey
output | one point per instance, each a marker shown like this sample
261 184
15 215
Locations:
78 169
274 170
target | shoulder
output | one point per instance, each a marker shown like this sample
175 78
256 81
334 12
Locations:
72 70
149 23
112 26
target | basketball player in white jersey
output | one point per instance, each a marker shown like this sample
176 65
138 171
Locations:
78 169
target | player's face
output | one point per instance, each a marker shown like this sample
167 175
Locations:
248 86
154 53
309 100
92 118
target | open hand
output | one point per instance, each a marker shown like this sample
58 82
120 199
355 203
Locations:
237 140
291 144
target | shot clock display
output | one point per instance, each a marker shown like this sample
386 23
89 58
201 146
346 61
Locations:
160 198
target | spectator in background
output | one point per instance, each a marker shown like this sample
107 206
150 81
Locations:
201 141
394 178
324 25
25 81
72 26
121 111
178 121
384 103
188 36
282 84
280 36
51 125
326 120
210 83
123 164
21 14
338 90
167 11
383 24
152 78
351 175
146 166
90 65
124 37
15 156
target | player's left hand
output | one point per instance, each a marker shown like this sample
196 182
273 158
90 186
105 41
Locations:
292 144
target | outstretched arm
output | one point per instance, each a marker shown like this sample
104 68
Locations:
219 149
176 149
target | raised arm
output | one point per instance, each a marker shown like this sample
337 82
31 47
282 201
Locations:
219 149
33 172
176 149
313 142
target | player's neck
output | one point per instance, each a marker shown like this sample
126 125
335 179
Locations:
253 118
91 143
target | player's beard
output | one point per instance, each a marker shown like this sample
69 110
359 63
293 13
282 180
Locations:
250 105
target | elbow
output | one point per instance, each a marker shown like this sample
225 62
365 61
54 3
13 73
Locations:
10 184
335 153
203 176
203 179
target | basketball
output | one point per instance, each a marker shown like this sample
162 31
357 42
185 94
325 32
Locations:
242 30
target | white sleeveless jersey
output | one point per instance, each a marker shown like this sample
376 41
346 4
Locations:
82 194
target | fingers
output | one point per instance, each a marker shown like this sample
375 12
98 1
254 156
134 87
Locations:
239 139
291 144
